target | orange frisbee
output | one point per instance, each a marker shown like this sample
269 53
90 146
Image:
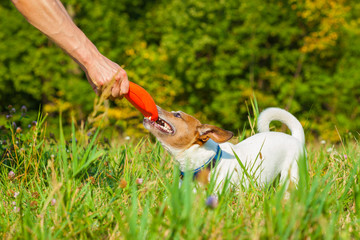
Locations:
142 100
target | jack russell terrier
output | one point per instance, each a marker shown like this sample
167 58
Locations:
263 156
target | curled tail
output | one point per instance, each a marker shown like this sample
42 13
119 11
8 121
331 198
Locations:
277 114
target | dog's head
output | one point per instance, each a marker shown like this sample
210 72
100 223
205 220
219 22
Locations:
180 131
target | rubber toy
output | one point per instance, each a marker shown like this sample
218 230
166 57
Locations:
142 101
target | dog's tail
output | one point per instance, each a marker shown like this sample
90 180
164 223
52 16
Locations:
277 114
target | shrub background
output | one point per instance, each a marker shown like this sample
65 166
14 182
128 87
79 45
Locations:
207 57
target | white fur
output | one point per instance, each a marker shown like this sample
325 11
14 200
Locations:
265 155
194 157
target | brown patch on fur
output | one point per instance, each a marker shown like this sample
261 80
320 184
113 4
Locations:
188 131
203 176
198 141
217 134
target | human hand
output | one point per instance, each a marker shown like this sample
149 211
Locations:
100 73
51 18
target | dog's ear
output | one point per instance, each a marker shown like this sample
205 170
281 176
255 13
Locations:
217 134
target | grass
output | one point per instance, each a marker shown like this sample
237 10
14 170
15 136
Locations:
80 187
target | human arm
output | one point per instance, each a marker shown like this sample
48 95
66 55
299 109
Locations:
52 19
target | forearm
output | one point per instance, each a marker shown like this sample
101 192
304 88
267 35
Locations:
51 18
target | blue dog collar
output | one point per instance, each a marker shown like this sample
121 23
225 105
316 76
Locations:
209 164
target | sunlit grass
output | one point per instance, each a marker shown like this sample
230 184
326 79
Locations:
78 187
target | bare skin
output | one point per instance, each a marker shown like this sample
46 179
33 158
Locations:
52 19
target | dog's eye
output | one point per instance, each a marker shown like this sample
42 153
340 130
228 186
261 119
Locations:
176 114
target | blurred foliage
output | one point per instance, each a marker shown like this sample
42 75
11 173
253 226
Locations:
207 58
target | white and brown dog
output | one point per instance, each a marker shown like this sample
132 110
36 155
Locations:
263 156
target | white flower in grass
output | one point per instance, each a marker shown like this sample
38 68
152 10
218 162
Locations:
127 138
53 202
323 142
13 203
329 150
16 209
16 194
11 175
139 181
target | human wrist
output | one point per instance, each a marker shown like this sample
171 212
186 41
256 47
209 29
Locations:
86 54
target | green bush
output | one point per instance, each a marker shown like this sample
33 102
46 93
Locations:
207 58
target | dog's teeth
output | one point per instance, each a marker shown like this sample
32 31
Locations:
162 125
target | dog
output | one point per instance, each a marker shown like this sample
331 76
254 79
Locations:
263 156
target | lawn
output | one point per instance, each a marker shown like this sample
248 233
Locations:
81 186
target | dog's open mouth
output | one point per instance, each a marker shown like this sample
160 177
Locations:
162 125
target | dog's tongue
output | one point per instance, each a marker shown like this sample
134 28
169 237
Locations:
142 100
